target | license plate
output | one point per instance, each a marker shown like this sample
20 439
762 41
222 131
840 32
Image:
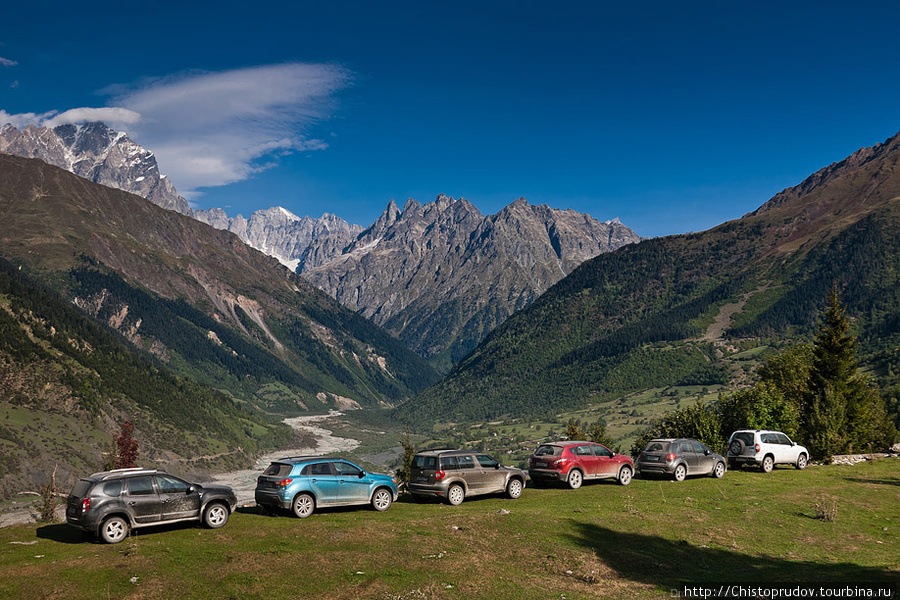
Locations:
421 479
540 464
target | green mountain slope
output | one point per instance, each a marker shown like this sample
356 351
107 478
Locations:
673 309
198 331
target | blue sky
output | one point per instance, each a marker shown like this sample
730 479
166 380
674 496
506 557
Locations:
672 116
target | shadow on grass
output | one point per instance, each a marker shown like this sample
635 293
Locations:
64 534
667 564
894 481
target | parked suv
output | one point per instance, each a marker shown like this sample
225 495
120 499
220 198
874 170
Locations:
679 458
303 483
765 449
455 474
110 503
573 462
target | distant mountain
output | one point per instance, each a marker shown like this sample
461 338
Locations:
194 301
682 308
280 233
98 153
441 276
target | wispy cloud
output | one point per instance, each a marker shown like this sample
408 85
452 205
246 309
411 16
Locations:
7 62
211 129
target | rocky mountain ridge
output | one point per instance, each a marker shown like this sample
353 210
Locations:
442 275
98 153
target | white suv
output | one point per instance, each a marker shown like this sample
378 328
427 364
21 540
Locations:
765 449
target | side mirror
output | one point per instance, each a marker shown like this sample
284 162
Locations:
191 490
707 452
362 474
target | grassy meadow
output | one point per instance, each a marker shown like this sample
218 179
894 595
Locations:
600 541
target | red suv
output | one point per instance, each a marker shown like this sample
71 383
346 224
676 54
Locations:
573 462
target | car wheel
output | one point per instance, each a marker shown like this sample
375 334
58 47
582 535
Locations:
514 489
625 475
456 494
719 470
114 530
802 461
303 505
680 473
215 515
768 464
737 447
381 499
575 479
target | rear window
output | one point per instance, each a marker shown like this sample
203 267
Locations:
278 470
427 463
657 447
547 450
744 436
81 488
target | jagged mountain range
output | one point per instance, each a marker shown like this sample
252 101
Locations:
439 276
442 275
685 308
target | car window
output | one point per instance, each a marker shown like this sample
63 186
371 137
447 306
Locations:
603 451
744 436
342 468
171 485
768 438
113 488
486 461
656 447
466 462
278 469
140 486
317 469
548 451
582 451
782 439
449 463
425 462
698 447
81 488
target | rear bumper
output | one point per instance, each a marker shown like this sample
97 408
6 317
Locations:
271 498
656 468
547 475
745 460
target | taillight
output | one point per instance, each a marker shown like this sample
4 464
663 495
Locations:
670 457
284 482
438 475
560 462
85 505
757 448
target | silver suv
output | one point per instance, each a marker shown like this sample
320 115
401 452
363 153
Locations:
455 474
765 449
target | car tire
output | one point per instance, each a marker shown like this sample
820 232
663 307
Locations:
575 479
514 489
114 529
719 470
456 494
303 505
802 461
215 515
625 475
680 473
736 447
382 499
767 464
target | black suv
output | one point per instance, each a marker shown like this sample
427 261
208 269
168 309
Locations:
110 503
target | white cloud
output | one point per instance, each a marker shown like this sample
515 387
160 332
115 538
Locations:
210 129
117 118
7 62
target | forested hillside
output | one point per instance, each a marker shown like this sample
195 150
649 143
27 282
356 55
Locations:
640 317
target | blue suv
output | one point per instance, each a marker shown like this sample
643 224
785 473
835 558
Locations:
303 483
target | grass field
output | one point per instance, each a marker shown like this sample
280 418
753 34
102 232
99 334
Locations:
600 541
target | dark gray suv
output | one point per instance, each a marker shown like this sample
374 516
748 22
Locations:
110 503
455 474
